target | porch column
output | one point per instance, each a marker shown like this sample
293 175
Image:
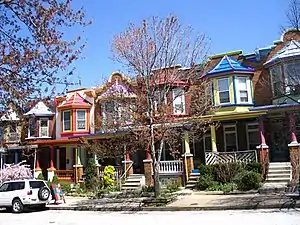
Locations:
127 163
37 170
188 157
213 138
263 148
294 148
16 154
51 169
57 159
148 168
78 166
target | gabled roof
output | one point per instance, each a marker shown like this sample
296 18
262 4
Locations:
40 109
117 88
75 99
291 49
227 65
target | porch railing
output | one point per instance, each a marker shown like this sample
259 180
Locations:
230 157
64 175
171 167
117 168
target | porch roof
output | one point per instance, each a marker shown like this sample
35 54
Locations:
99 135
235 115
274 107
56 142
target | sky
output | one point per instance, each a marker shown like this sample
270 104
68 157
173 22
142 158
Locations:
230 25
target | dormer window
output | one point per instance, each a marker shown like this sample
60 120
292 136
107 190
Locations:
44 128
178 101
67 120
81 119
223 89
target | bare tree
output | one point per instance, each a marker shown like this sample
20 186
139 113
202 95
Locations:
162 55
293 14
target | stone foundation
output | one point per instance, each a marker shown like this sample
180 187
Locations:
263 158
295 162
148 172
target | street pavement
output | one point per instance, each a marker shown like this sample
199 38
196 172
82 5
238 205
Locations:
250 217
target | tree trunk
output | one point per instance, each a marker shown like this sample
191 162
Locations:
156 179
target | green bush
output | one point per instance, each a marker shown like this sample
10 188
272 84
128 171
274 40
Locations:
108 179
172 185
225 172
205 181
205 169
149 188
41 177
247 180
65 186
90 174
255 167
55 179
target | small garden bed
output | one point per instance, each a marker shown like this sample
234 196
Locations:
230 178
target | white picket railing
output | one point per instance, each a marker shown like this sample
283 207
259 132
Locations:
230 157
171 167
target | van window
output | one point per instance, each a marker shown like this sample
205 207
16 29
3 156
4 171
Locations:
14 186
36 184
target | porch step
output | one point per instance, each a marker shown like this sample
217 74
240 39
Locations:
279 173
134 181
192 180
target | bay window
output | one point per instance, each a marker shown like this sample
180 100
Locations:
277 80
178 101
242 90
67 120
81 120
223 90
44 128
31 127
292 77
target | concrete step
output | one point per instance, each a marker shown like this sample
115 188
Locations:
280 163
286 176
279 172
278 180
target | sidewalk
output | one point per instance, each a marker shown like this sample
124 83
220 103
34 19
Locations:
192 202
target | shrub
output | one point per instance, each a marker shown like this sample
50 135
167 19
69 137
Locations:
255 167
205 169
55 179
41 177
108 179
247 180
205 181
149 188
225 172
172 185
90 174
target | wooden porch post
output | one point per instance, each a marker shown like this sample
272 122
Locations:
127 163
188 157
263 148
292 129
213 138
37 169
51 169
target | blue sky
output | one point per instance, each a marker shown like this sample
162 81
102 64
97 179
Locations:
231 25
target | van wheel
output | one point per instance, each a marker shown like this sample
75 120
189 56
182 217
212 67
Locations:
43 193
17 206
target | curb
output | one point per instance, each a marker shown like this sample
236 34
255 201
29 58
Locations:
174 209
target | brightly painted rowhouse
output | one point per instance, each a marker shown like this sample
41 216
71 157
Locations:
74 116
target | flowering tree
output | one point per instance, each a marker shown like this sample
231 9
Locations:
15 172
35 53
152 51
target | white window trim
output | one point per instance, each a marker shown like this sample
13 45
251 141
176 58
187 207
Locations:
63 119
85 119
230 132
40 130
182 101
155 103
237 89
224 103
251 130
204 143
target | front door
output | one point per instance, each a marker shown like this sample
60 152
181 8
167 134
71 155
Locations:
62 158
279 140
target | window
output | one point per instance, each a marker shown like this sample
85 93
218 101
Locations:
14 186
178 101
292 78
160 99
31 127
277 82
223 89
207 143
4 187
1 133
36 184
230 138
253 139
81 120
44 128
66 120
242 87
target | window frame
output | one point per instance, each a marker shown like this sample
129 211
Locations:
85 119
63 120
29 127
280 80
238 90
40 128
204 143
174 97
230 132
249 130
228 82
